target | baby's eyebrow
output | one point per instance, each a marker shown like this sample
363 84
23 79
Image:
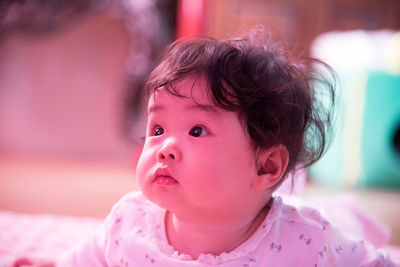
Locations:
154 108
204 108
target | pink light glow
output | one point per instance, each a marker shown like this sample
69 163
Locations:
190 17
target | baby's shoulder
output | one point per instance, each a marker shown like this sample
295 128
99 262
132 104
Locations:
303 216
134 202
134 197
134 207
306 227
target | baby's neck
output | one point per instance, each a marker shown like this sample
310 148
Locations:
195 239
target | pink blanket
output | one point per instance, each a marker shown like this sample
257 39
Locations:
40 236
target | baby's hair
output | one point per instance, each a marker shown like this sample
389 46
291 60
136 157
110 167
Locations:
275 97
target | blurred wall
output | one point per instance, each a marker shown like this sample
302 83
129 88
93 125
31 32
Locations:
298 21
60 94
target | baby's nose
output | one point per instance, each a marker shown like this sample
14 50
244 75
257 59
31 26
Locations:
162 155
169 152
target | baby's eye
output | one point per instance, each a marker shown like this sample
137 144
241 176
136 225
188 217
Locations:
158 131
198 131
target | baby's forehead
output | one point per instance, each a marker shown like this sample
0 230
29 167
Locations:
191 90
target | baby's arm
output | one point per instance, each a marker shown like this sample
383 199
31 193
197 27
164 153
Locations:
93 251
89 253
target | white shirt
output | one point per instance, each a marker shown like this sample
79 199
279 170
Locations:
134 234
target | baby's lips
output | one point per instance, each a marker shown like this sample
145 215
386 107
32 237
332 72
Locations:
162 176
165 180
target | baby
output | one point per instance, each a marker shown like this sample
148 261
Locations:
227 122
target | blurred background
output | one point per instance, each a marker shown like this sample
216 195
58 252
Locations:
71 74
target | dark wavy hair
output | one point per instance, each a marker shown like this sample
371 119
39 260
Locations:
279 100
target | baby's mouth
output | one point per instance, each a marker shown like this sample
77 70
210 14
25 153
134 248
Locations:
163 177
164 180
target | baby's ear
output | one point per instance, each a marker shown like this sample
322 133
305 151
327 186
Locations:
271 166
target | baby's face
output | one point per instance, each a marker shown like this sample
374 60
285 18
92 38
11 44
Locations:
196 161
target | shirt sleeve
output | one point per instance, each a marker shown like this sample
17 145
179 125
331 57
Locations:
89 253
92 252
336 249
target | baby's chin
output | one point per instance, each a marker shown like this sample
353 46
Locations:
160 199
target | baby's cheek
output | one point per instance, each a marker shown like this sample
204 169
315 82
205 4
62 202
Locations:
143 166
148 152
